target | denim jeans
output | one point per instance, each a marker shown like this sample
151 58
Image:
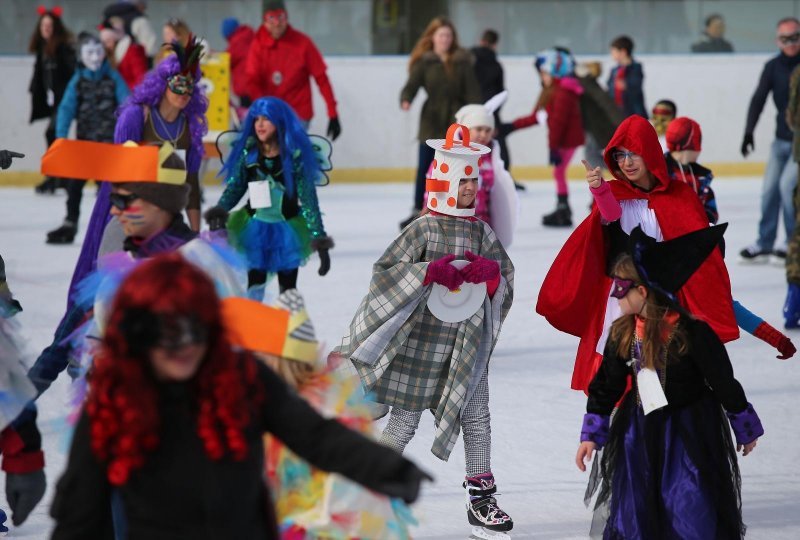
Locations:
777 194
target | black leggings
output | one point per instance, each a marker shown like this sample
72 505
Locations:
286 280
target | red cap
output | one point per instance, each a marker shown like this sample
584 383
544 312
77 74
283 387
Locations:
683 133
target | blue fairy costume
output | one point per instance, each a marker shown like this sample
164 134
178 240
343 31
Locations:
281 225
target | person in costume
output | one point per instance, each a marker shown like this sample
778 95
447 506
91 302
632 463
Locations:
683 138
275 162
668 467
410 359
148 195
496 201
574 297
91 99
310 503
181 440
662 115
560 99
124 54
55 63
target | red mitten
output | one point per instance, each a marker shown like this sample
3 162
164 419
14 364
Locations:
442 272
480 269
774 337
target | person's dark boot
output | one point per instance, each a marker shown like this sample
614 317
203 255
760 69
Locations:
561 216
46 186
64 234
519 187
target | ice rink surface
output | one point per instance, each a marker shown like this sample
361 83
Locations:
536 418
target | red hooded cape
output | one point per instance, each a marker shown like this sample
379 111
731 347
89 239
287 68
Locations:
575 291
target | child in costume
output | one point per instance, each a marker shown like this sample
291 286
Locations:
310 503
276 163
410 352
560 99
668 467
575 293
661 116
626 79
684 143
496 201
179 446
91 99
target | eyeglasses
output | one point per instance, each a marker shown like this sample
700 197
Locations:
621 287
789 39
122 202
619 156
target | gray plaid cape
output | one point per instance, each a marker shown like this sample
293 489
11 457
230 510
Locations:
404 355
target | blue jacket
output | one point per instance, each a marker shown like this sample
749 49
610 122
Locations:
775 79
68 109
633 95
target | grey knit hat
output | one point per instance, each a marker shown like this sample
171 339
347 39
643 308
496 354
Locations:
169 197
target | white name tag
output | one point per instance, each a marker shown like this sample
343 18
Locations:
181 153
650 392
259 194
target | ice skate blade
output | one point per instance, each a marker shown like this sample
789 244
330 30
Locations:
480 533
757 260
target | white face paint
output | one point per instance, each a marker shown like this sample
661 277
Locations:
92 55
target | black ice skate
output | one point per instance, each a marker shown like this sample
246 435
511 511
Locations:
64 234
482 509
560 217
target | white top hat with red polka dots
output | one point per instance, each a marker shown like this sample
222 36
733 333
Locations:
452 161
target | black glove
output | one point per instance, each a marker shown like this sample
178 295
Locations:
6 156
555 157
406 483
334 128
23 493
324 262
747 144
505 129
216 217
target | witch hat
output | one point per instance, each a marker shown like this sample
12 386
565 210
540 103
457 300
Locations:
666 266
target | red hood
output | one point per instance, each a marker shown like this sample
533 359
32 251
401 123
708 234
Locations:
241 37
637 135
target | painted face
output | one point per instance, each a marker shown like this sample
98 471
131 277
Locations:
92 55
138 218
481 135
265 130
467 189
179 101
788 38
46 27
180 84
631 164
442 39
179 360
276 22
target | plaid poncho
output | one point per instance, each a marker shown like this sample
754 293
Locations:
405 356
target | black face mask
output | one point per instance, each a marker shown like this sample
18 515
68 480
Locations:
145 330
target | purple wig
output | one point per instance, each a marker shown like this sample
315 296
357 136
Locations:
130 123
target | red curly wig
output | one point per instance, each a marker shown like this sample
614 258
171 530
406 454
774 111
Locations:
122 400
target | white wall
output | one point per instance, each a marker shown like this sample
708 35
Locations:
713 89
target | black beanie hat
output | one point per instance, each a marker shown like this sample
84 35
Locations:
172 198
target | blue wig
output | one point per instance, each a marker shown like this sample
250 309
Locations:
297 154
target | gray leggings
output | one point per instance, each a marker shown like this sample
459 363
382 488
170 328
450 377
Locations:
475 424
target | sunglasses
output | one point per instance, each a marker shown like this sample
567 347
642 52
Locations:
181 85
619 156
790 39
122 202
621 287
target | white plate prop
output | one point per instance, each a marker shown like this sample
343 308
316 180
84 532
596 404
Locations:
461 304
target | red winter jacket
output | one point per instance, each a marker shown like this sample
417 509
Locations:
564 123
131 62
282 67
238 47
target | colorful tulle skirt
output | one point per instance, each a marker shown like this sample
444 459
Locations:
671 474
270 246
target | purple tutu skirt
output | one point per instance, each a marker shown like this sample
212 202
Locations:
671 474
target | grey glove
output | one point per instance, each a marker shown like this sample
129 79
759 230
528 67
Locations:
23 492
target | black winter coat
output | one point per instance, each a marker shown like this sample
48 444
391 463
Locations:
488 71
181 494
50 73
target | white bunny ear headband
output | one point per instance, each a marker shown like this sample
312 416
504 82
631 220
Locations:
495 102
